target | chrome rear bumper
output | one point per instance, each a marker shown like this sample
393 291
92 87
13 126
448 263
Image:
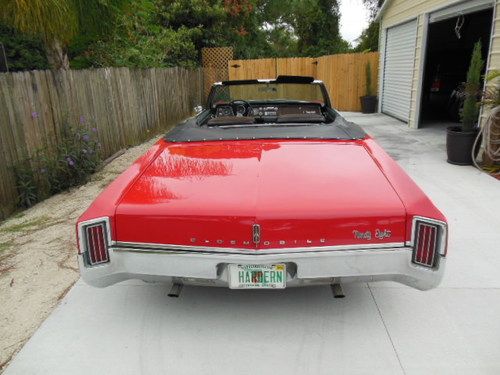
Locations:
304 268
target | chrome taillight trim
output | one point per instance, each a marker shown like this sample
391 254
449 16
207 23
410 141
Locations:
83 239
440 238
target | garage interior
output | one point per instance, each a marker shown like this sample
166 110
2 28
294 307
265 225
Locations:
449 48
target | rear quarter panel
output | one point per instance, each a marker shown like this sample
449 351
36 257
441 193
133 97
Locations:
415 201
106 202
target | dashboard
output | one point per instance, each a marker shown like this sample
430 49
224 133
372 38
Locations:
258 110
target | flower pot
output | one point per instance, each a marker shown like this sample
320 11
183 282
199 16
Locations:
368 104
459 145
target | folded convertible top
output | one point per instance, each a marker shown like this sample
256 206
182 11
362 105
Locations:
191 131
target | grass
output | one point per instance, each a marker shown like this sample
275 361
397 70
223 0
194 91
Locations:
18 215
25 226
5 246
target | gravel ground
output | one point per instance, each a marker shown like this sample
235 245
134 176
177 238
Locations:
37 256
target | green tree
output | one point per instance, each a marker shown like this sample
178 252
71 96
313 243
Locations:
57 22
373 7
161 33
207 16
140 40
236 23
23 51
245 29
368 41
316 26
470 111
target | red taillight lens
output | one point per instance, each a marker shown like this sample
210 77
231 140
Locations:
94 243
429 243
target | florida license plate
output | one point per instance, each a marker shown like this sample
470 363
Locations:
257 276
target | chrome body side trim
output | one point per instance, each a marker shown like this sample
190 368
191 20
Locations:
138 246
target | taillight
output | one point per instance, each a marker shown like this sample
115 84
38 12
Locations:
94 241
429 241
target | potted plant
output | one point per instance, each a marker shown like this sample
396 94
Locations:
460 139
369 101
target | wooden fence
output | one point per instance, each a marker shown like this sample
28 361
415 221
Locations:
344 74
125 105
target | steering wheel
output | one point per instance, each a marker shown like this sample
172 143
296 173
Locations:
240 107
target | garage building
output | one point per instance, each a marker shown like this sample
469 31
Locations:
425 50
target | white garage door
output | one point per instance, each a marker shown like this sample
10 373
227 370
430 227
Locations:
398 70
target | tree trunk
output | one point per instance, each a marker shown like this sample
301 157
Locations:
57 55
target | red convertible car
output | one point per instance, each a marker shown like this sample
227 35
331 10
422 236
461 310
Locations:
268 187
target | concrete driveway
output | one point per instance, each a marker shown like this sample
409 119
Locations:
384 328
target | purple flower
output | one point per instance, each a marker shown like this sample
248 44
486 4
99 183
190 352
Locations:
94 130
86 138
70 161
82 119
34 114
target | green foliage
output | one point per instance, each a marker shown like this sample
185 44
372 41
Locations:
140 41
27 225
208 16
47 19
470 111
57 22
26 185
368 41
23 51
491 96
373 7
316 26
75 158
236 23
164 33
368 77
60 20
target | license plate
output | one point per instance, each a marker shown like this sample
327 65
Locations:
257 276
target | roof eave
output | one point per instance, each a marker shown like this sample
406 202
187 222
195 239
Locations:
381 10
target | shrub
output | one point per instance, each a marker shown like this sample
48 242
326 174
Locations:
26 185
23 52
368 77
49 172
470 111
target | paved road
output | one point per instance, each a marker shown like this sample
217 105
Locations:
384 328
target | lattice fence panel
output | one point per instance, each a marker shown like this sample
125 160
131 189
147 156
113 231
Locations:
215 61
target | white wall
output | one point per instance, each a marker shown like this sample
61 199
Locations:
399 11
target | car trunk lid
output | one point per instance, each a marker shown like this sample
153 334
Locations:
262 195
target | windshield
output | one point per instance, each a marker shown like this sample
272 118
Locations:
267 92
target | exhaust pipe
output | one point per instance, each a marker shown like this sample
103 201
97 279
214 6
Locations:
337 290
175 290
